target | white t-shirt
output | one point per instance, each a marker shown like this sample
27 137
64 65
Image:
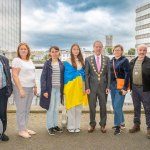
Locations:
27 72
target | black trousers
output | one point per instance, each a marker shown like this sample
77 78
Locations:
3 108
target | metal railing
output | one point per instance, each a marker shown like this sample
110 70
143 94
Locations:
128 99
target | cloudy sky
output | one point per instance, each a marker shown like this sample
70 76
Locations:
64 22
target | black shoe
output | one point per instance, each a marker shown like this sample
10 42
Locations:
51 131
114 127
4 137
122 126
117 131
57 129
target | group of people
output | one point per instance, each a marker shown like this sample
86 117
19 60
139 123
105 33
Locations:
71 83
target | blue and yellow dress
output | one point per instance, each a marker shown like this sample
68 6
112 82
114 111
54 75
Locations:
74 86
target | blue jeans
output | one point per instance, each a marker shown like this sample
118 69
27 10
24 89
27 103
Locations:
52 113
117 103
138 97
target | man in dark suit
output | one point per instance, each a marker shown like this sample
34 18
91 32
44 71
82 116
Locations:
97 83
5 92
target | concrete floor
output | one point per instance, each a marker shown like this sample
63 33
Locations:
76 141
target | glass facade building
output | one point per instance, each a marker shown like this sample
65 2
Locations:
10 25
143 25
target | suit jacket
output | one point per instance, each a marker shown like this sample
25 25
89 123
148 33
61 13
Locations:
5 63
92 78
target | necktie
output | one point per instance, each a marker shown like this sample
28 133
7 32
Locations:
98 64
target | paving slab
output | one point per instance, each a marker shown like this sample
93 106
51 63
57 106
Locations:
76 141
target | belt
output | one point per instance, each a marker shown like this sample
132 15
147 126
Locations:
137 85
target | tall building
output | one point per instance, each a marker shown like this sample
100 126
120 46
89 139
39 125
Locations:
143 25
10 25
109 42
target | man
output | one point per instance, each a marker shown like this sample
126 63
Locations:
97 82
5 92
140 84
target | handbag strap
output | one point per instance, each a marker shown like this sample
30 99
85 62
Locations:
114 66
114 70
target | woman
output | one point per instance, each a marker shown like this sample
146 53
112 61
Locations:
52 83
120 68
74 87
5 92
24 88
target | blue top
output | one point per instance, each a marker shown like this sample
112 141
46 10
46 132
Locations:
122 68
2 76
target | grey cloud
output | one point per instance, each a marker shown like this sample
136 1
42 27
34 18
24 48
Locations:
79 30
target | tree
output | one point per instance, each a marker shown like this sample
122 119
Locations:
131 51
32 57
46 57
109 50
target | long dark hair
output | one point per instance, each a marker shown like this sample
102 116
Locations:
80 57
56 48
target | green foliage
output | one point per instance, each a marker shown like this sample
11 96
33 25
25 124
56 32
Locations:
46 57
131 51
109 51
32 57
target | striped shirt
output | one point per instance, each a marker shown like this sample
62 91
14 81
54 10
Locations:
55 75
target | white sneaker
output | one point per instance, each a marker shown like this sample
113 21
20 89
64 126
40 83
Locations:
71 130
77 130
122 126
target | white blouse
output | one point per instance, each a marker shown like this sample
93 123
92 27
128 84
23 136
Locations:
27 71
